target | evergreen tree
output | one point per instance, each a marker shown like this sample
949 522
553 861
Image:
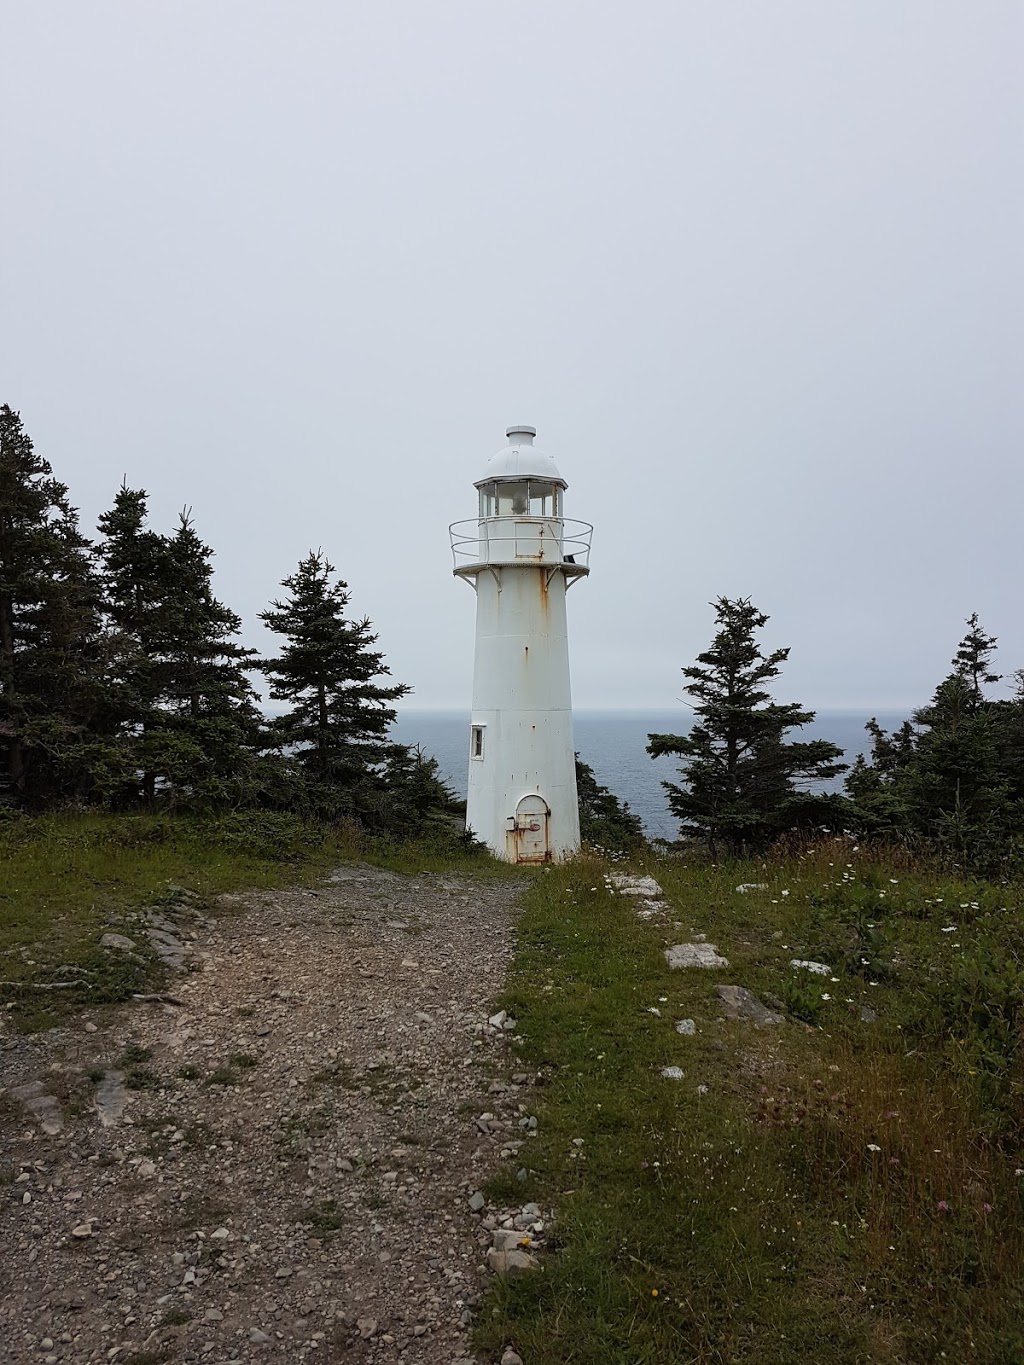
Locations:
740 773
181 704
955 776
208 722
605 821
134 574
339 715
972 660
49 635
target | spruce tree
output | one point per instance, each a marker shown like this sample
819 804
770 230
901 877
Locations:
182 705
208 721
336 726
49 635
955 776
133 570
740 773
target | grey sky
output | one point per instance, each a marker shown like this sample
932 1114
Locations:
753 271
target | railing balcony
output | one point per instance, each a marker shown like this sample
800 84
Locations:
565 544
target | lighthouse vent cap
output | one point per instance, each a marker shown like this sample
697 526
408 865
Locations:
521 459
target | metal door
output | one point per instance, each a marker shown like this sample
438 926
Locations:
532 830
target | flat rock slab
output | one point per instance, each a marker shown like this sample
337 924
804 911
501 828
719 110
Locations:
739 1003
818 968
752 886
110 1098
633 886
41 1105
695 955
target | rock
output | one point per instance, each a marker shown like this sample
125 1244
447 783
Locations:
43 1106
511 1357
498 1020
477 1202
258 1338
673 1073
90 1027
283 1273
510 1263
82 1230
687 1027
262 1030
739 1003
366 1327
213 1315
110 1098
422 1017
752 886
634 886
118 942
694 955
867 1014
818 968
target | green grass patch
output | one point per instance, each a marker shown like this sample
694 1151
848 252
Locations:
831 1189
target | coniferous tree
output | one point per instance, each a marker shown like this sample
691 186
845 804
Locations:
134 574
49 635
955 776
336 726
181 704
740 773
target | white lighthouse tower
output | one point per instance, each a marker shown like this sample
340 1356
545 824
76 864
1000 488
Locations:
521 556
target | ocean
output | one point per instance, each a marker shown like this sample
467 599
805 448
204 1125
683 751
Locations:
614 744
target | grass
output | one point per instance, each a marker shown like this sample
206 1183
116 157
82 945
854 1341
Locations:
828 1190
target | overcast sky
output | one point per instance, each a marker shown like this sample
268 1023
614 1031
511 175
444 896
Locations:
753 270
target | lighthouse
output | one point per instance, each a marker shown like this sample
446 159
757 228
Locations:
521 556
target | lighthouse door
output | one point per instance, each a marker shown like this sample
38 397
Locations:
532 830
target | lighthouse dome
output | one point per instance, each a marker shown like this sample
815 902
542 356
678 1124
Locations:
521 459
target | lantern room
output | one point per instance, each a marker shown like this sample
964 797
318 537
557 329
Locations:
520 514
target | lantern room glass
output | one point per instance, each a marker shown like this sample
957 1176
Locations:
521 498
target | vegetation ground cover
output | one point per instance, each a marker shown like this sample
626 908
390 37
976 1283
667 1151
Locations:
831 1189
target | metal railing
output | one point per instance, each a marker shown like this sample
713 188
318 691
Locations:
520 540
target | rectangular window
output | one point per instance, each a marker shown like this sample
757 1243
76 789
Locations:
513 499
542 499
487 500
476 743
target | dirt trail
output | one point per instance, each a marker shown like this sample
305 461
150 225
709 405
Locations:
283 1165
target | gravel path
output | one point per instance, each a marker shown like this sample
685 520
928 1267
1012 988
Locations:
280 1167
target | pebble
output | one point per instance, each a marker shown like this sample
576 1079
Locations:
511 1357
687 1027
477 1202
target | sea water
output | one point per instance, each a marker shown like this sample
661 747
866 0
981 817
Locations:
614 744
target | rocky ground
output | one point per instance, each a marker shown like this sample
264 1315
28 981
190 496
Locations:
284 1163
